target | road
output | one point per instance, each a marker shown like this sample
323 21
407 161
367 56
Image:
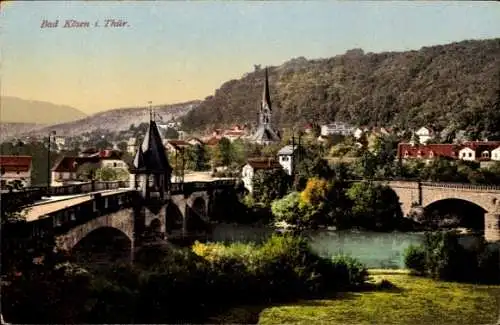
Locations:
48 205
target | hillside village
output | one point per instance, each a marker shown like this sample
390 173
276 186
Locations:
108 155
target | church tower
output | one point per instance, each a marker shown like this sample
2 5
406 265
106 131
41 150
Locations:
151 169
265 133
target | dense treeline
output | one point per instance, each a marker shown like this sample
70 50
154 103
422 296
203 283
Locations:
453 85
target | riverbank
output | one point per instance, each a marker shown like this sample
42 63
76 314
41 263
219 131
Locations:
413 300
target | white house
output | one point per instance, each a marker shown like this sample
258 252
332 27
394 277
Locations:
424 134
131 145
467 153
337 128
495 154
253 165
358 132
15 168
286 158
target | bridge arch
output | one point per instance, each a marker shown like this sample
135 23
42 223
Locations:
102 245
122 221
174 217
199 207
455 212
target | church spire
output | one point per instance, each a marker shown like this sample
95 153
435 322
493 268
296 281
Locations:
266 97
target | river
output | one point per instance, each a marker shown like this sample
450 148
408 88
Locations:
374 249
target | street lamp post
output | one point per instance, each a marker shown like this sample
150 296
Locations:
52 133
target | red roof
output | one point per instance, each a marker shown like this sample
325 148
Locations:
264 163
234 133
15 163
71 164
179 143
481 145
212 141
407 150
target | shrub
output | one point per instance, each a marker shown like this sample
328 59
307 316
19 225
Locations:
348 271
415 259
442 257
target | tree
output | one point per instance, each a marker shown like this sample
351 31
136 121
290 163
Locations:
122 146
374 206
171 134
269 185
87 171
111 174
223 152
287 209
197 158
325 203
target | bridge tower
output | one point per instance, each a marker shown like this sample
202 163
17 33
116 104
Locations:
151 169
152 179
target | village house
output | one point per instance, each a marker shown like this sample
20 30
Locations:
424 134
132 145
194 141
359 131
286 158
484 152
337 128
480 151
175 145
15 168
495 154
308 128
254 165
408 151
65 170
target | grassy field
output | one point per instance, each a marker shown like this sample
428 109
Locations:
413 301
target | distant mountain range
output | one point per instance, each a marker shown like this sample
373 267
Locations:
112 120
17 110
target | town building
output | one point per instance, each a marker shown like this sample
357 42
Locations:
424 134
131 145
483 152
15 168
479 151
65 170
175 145
195 141
265 133
340 128
287 158
495 154
151 171
428 152
255 164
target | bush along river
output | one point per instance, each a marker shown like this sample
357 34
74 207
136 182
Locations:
379 250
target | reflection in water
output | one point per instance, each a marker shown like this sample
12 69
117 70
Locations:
374 249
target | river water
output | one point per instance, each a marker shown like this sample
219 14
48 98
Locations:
374 249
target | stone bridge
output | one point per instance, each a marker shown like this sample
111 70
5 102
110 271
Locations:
184 214
423 194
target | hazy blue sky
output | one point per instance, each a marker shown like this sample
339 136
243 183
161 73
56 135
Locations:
177 51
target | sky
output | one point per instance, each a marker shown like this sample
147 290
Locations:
175 51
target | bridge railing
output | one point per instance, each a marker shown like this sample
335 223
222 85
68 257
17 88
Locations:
178 188
463 186
481 187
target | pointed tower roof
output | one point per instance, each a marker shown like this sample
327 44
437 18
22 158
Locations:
150 156
266 97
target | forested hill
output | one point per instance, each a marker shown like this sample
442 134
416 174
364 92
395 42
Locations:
455 83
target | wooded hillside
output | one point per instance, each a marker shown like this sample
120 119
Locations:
448 85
